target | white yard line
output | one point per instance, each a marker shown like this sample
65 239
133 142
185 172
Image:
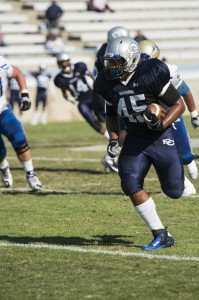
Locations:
107 252
68 192
66 159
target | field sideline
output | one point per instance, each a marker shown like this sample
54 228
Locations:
80 238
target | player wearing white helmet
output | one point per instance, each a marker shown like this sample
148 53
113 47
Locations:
12 129
42 77
150 50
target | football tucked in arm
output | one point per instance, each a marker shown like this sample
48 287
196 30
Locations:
156 109
153 116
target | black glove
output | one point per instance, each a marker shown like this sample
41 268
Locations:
113 148
25 101
154 123
195 122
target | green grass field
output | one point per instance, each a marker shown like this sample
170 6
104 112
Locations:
79 238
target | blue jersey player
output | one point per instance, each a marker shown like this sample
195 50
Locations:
129 88
150 50
12 129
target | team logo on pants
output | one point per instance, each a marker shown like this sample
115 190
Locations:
168 142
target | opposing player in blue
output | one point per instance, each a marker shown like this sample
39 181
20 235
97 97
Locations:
150 50
129 87
12 129
72 80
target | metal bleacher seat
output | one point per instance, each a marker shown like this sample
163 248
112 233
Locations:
66 6
117 5
4 7
133 25
19 28
13 18
127 15
91 38
16 39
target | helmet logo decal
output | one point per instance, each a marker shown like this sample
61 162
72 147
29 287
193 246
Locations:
133 48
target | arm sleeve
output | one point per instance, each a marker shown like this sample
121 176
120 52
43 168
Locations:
171 95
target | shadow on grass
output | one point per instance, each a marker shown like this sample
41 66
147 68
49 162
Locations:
87 171
96 240
56 192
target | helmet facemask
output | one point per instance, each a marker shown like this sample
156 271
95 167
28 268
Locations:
114 67
65 65
121 57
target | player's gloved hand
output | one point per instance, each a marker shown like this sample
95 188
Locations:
113 148
154 123
195 119
25 101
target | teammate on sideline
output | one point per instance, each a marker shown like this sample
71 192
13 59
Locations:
72 79
150 50
98 102
43 81
128 90
12 129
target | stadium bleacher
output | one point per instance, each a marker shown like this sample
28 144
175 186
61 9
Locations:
169 23
174 25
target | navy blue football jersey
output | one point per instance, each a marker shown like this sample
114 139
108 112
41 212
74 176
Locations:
75 82
129 99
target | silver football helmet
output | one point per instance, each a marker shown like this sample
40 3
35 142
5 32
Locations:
63 61
149 49
121 57
116 32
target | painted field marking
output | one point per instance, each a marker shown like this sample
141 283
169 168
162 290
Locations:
107 252
76 159
68 192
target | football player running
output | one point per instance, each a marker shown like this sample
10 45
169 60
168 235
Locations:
72 79
129 87
12 129
98 102
150 50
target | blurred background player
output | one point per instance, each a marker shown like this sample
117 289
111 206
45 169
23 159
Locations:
72 79
14 94
98 102
150 50
43 82
12 129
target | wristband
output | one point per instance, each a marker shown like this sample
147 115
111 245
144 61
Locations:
24 91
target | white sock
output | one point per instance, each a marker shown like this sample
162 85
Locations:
28 166
4 164
106 135
187 183
147 212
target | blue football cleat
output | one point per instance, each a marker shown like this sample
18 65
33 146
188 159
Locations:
162 240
